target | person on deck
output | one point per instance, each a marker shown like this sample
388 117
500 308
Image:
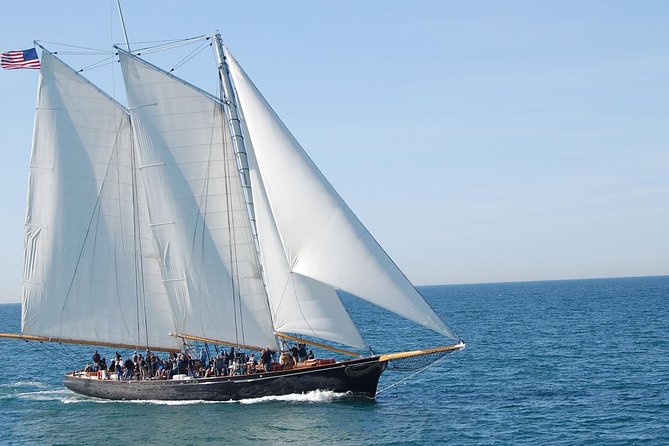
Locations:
119 368
204 356
221 364
129 368
181 364
295 351
211 371
286 360
143 369
266 358
302 352
175 369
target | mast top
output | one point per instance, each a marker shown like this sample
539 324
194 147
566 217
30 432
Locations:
125 33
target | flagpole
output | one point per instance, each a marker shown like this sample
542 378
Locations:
125 33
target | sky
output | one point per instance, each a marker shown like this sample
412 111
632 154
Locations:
482 141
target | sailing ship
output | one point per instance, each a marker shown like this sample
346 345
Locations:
191 217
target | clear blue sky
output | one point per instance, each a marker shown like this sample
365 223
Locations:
478 141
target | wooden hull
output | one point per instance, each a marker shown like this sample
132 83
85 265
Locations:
359 377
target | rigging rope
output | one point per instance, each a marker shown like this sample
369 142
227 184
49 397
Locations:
102 63
140 284
164 45
201 226
190 55
50 353
232 250
95 50
68 351
111 55
413 374
168 44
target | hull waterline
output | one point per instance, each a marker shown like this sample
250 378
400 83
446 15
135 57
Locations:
359 377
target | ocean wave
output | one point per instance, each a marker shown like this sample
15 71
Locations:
20 389
42 395
19 384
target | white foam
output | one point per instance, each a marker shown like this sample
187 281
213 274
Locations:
173 402
42 395
17 384
316 396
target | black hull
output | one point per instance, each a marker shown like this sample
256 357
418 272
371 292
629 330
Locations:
359 377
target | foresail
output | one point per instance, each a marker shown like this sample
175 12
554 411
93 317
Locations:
82 247
299 304
322 238
196 203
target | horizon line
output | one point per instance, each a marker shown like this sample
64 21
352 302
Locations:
506 282
566 279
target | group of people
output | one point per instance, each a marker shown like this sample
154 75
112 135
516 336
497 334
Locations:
299 353
224 363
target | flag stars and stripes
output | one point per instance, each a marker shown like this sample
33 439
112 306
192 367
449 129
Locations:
12 60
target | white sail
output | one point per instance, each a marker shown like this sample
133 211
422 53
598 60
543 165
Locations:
197 208
322 238
299 304
84 237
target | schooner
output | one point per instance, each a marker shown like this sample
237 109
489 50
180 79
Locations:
186 216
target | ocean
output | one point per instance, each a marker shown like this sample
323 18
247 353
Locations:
580 362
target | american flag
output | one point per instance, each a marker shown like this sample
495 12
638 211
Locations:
12 60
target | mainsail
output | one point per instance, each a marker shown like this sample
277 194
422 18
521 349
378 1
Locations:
198 212
87 239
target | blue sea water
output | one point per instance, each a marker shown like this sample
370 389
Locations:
547 363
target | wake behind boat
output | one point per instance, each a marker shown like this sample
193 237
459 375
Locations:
189 217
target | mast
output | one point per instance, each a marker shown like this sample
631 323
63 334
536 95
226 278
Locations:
234 121
139 270
125 33
232 114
